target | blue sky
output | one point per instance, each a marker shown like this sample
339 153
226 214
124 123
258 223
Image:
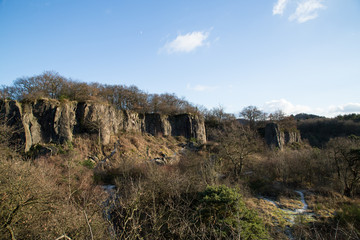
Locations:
293 55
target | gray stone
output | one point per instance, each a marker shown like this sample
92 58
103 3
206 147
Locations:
275 138
51 121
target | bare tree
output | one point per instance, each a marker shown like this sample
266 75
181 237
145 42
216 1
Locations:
48 84
237 143
6 92
252 114
217 115
345 153
51 84
278 115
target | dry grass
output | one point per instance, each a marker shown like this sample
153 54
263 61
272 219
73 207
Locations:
325 203
135 147
143 147
48 197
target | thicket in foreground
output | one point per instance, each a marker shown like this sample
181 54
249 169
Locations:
48 198
58 194
176 209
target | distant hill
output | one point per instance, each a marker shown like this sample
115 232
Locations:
304 116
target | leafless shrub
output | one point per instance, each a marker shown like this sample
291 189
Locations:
47 198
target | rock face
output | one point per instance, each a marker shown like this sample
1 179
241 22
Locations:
10 114
47 121
274 137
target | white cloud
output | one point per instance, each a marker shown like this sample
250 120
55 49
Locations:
307 10
330 111
186 43
279 7
285 106
201 88
345 109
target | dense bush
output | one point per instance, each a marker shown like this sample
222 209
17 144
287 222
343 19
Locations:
217 212
350 214
48 198
176 202
319 131
224 213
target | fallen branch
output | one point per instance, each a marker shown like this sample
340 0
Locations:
63 237
87 220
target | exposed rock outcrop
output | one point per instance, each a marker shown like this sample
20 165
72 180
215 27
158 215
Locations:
10 114
157 124
277 138
47 121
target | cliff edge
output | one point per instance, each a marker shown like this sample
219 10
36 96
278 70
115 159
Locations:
277 138
52 121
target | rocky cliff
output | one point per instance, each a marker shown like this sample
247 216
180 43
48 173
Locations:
275 137
52 121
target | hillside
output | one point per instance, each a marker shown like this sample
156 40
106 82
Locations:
92 169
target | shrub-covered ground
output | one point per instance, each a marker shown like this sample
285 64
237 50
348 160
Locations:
146 187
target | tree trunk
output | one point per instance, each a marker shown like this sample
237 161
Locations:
347 191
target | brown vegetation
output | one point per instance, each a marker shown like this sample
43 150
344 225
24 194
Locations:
52 85
49 197
172 188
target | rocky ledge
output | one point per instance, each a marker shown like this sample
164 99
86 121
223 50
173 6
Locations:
51 121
